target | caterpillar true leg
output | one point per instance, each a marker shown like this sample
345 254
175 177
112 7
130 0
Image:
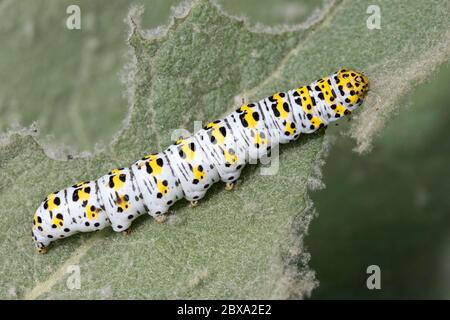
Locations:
188 168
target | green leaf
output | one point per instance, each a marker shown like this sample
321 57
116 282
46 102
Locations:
63 79
242 244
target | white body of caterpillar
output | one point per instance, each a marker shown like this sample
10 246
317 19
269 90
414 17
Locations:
188 168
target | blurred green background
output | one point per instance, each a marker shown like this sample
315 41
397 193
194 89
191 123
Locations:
389 207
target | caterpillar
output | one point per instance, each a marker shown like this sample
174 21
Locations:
189 167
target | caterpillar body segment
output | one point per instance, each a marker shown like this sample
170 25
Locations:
85 207
224 152
192 167
157 182
121 197
251 131
188 168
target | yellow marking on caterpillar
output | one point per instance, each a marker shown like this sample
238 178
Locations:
79 184
216 132
150 156
162 186
259 140
280 106
36 222
51 205
141 163
92 212
305 97
122 203
190 154
83 195
186 149
248 116
290 128
199 175
118 183
326 89
340 110
151 163
58 220
315 121
230 158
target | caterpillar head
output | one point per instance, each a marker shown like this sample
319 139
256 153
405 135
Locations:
352 86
